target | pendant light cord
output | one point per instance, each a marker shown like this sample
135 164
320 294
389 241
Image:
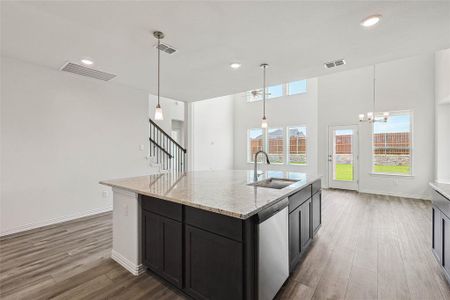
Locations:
264 92
159 62
374 92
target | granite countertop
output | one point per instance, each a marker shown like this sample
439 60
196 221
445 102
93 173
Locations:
224 192
443 188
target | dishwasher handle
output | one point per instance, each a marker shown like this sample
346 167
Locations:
272 210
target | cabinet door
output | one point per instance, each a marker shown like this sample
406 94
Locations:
214 265
305 225
294 238
446 243
151 236
171 249
437 233
162 251
316 212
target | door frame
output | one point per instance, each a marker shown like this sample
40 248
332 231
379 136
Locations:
341 184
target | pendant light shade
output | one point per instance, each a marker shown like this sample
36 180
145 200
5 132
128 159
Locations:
158 110
159 113
264 123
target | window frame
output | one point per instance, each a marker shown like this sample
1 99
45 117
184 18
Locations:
288 145
411 146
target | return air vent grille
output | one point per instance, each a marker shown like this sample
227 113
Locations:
335 63
88 72
166 48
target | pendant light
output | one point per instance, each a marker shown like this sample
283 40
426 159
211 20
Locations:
370 116
264 119
158 110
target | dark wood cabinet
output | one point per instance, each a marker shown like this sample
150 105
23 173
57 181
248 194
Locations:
214 265
316 212
441 231
437 233
299 232
446 244
162 246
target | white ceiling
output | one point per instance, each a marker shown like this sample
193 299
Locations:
295 38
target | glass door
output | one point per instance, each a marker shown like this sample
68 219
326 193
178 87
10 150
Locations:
343 157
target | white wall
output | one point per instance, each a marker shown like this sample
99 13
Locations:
212 134
406 84
442 80
284 111
60 135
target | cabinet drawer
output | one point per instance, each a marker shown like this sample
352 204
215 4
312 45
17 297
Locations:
162 207
216 223
316 186
298 198
441 202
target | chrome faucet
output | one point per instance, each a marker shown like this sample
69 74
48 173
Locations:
255 174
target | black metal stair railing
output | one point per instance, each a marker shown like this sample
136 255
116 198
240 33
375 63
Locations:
168 153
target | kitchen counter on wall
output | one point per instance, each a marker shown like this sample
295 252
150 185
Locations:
225 192
443 188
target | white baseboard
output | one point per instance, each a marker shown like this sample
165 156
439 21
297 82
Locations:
55 221
404 195
128 265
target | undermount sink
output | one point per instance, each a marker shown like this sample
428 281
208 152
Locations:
274 183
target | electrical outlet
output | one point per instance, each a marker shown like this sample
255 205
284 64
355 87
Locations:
105 194
141 147
125 210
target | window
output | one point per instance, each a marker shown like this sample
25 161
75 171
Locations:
275 91
392 145
275 139
279 90
296 87
297 145
255 140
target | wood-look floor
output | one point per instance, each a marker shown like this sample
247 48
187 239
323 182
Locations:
369 247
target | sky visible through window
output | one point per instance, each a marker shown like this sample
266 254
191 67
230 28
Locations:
395 123
297 87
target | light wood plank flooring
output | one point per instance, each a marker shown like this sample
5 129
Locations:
369 247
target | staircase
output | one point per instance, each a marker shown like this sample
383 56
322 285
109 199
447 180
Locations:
167 153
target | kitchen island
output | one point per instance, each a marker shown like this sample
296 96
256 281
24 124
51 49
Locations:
215 234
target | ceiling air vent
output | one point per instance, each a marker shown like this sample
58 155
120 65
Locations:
88 72
166 48
335 63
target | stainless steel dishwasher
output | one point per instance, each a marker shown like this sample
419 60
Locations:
273 249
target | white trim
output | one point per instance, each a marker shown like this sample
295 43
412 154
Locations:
57 220
390 174
404 195
127 264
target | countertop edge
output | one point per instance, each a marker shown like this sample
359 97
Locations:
445 193
217 210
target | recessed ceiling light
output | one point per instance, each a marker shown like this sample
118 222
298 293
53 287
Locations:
87 61
371 20
235 65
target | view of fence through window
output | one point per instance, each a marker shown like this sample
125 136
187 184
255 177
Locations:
256 142
275 145
297 145
392 145
343 157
